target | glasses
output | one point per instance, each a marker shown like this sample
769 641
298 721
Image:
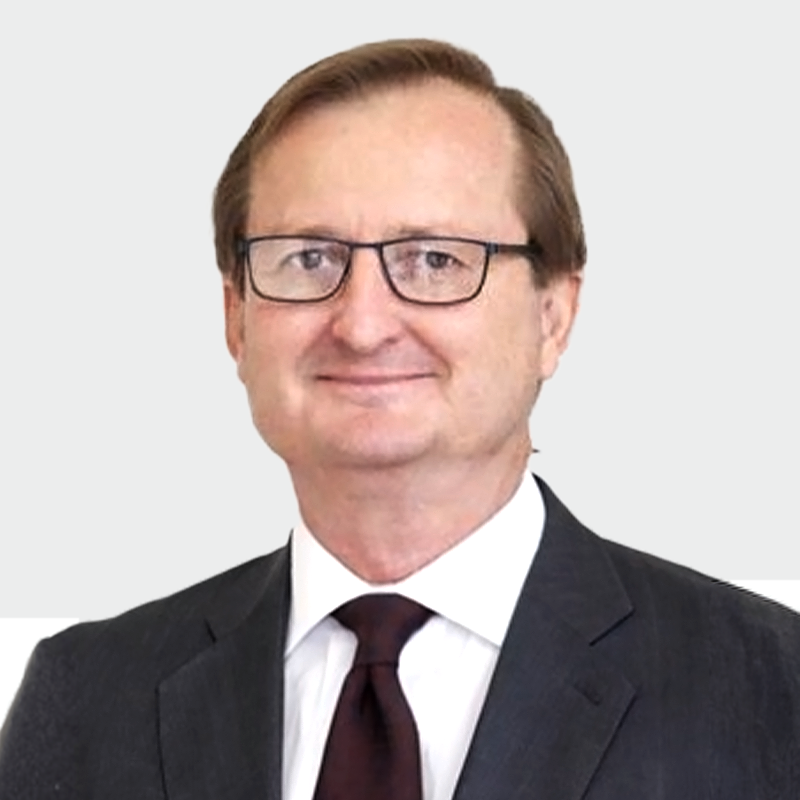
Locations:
435 270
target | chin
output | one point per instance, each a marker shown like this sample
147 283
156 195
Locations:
363 440
371 452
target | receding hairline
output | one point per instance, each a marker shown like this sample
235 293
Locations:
546 196
363 94
441 93
366 94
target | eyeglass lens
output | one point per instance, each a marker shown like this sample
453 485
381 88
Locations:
422 270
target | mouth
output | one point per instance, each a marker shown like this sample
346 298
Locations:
375 390
376 380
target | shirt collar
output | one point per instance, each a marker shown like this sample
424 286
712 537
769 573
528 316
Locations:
496 558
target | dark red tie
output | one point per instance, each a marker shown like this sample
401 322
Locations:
372 752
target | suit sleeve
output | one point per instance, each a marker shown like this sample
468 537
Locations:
39 746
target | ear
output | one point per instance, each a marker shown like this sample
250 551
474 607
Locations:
234 319
558 308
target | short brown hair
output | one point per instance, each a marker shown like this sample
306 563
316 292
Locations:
547 199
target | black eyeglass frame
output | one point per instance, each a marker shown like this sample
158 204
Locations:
532 250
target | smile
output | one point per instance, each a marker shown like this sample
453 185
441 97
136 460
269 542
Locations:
373 380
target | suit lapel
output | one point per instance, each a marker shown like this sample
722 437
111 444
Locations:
554 704
553 707
221 714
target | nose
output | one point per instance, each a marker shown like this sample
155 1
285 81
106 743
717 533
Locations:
366 313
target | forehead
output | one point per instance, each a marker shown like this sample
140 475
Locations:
433 155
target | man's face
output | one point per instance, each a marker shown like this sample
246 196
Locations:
365 379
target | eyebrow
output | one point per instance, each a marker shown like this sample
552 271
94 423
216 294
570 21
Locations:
394 232
421 231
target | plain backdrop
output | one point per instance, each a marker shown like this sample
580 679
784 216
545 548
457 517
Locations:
129 467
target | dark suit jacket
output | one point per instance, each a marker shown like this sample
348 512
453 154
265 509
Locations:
622 677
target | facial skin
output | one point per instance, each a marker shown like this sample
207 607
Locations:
363 394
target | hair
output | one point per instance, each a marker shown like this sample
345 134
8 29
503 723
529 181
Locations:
546 200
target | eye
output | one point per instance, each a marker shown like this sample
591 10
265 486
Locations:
313 257
307 260
438 259
422 257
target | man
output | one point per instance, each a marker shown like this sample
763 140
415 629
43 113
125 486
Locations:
401 252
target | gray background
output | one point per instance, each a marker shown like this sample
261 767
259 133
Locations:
128 464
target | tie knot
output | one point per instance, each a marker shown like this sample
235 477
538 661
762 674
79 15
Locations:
383 624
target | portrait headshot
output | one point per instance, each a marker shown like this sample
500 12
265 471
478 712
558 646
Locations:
428 468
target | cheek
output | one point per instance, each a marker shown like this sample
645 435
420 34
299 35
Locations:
279 341
500 360
516 337
264 354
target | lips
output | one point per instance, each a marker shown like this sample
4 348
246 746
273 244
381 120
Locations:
374 380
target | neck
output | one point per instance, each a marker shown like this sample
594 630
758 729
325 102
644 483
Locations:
386 524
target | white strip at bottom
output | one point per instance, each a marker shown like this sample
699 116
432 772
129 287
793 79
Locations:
18 637
786 592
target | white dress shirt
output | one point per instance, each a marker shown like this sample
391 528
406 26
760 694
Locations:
445 667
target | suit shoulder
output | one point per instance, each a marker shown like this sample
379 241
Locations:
664 591
92 690
657 584
170 628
